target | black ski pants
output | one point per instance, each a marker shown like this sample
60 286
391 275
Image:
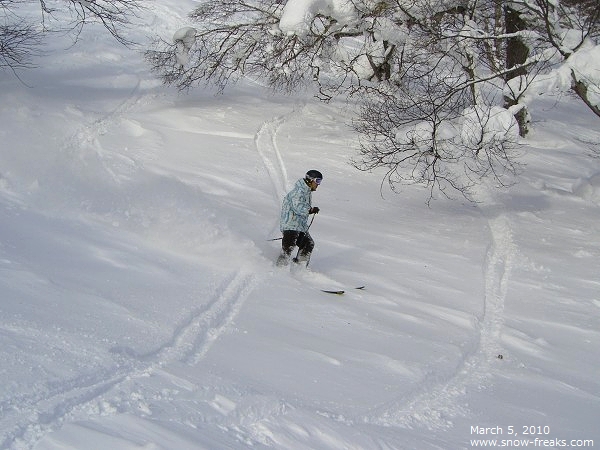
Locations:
293 238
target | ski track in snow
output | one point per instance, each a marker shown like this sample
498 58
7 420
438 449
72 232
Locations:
265 142
436 403
27 418
212 323
87 136
30 417
197 333
266 146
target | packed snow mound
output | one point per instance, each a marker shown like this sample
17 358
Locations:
483 128
184 39
298 15
589 188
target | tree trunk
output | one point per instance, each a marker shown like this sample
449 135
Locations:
516 54
516 51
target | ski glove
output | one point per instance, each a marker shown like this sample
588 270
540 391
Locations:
314 210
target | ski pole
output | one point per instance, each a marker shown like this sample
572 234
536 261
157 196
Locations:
311 221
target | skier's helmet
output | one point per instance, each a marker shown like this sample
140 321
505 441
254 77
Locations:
314 175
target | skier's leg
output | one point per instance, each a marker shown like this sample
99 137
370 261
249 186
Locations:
306 247
287 245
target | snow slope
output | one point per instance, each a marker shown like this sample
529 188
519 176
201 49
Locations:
139 306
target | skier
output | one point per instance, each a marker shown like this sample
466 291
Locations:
296 207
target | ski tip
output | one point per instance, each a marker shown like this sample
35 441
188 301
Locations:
339 292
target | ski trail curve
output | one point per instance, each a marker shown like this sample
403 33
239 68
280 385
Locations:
29 417
195 335
221 315
265 142
435 404
266 145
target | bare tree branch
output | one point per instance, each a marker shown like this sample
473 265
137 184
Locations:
413 69
21 39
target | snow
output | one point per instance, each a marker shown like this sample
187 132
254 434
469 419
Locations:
298 15
184 38
487 128
139 305
584 63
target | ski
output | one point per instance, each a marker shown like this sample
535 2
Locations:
339 291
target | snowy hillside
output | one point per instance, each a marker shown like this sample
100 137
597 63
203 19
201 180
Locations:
140 308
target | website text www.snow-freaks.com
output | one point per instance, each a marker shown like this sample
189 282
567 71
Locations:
537 442
533 443
530 436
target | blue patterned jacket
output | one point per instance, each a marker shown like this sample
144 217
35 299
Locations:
295 208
